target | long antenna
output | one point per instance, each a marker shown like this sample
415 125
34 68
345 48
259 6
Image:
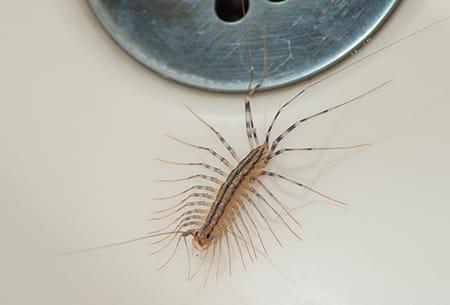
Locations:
391 44
118 244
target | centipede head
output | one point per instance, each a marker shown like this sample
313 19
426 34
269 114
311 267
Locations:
201 241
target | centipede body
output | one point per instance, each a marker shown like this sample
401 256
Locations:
226 213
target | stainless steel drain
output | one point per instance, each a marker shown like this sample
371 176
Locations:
203 43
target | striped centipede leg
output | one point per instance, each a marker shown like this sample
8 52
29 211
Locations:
172 255
261 197
193 195
165 246
218 135
239 216
181 225
200 164
192 188
238 244
239 237
207 149
277 114
188 254
201 176
272 174
261 214
284 150
285 209
249 123
239 231
200 265
180 218
192 212
199 212
189 204
211 264
258 233
227 239
219 260
297 123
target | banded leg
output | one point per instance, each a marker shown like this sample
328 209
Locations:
249 199
201 176
195 212
227 239
272 174
188 254
285 209
238 244
239 216
212 263
180 218
185 223
220 257
297 123
180 226
200 265
201 164
171 256
195 187
252 221
260 197
284 150
234 216
189 204
219 136
193 195
207 149
269 130
249 123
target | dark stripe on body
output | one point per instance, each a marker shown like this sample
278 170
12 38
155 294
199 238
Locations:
229 188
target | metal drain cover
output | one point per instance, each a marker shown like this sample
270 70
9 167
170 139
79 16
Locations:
187 41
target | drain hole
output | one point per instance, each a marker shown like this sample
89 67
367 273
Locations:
231 10
277 0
